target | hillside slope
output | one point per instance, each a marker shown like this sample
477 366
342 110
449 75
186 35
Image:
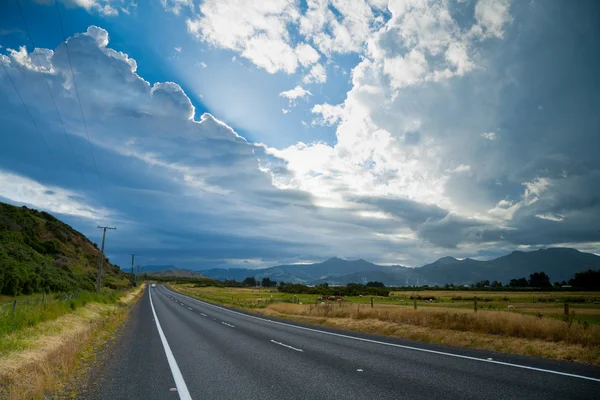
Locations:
40 253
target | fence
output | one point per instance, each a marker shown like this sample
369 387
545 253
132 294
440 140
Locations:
12 307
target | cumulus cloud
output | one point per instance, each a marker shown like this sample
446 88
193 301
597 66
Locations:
413 169
295 93
176 6
260 33
102 7
330 115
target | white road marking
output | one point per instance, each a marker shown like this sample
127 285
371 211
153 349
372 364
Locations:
190 308
204 315
549 371
182 389
286 345
225 323
359 370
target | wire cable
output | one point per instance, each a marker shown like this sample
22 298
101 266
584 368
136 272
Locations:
27 109
77 93
51 95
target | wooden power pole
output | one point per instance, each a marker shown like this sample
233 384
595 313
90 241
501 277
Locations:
101 261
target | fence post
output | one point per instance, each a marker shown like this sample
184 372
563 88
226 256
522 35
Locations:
415 298
371 302
566 311
44 298
14 307
475 303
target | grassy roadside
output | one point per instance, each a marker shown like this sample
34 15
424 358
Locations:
42 358
500 331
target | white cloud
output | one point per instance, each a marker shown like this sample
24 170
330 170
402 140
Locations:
405 71
306 54
330 115
317 74
551 217
202 64
175 6
285 110
491 16
178 49
489 136
259 33
38 60
295 93
102 7
461 168
20 189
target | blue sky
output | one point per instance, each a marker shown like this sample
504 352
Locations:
230 133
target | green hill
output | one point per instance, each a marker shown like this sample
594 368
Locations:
40 253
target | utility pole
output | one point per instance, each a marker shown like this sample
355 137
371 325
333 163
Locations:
132 258
101 261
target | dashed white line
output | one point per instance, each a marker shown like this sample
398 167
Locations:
204 315
182 389
443 353
286 345
229 325
190 308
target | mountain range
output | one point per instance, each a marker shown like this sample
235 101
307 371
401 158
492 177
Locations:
184 273
559 263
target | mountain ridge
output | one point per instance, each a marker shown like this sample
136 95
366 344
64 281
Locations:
559 263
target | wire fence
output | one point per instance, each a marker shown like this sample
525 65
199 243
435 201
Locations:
44 298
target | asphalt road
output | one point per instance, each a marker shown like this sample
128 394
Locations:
218 353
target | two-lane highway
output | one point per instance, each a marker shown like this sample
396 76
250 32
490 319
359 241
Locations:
175 346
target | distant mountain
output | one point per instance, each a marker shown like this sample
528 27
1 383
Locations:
39 253
559 263
184 273
149 268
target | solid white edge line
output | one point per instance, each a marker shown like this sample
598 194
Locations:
182 389
286 345
225 323
396 345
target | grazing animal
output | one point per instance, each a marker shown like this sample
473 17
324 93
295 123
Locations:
510 307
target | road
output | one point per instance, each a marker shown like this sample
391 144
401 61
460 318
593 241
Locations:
203 351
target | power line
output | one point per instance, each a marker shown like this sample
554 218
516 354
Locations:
27 109
77 92
50 91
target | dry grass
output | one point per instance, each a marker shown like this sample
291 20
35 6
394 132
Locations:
52 349
499 331
490 322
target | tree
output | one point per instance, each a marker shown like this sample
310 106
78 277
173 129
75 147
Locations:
539 279
375 284
588 279
521 282
266 282
482 284
496 284
249 281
